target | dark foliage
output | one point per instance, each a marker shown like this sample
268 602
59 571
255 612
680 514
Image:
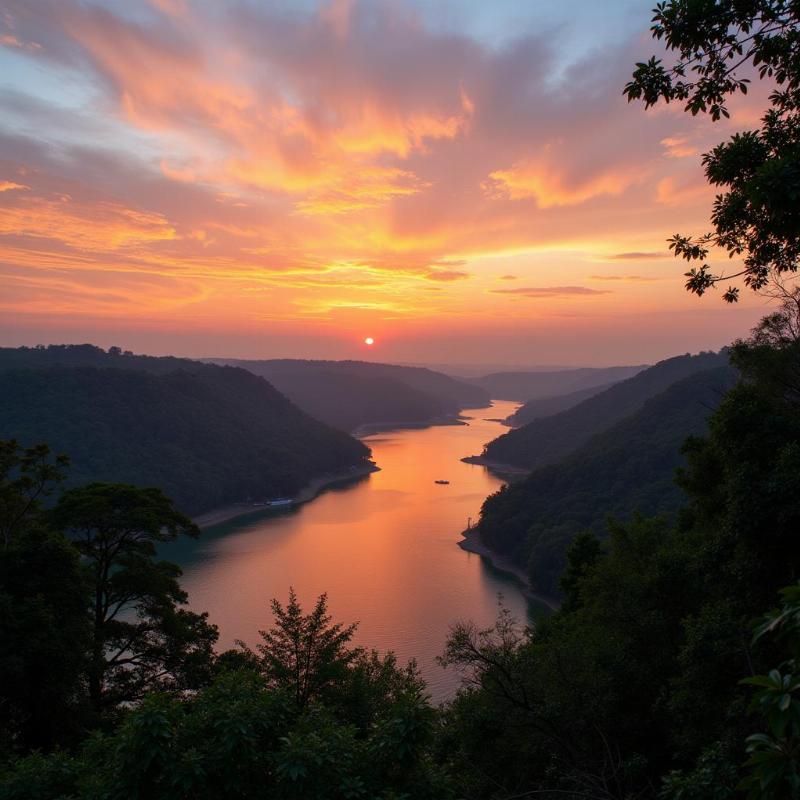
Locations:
368 735
634 689
718 44
142 640
629 467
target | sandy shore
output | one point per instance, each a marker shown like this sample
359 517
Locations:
308 492
472 544
496 466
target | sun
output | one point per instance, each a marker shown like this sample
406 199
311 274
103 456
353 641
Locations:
369 340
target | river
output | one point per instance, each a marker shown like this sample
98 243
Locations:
383 547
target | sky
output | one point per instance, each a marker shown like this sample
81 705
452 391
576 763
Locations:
461 181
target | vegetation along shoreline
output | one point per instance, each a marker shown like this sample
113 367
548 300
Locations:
313 489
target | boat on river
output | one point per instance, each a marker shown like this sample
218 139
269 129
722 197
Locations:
443 483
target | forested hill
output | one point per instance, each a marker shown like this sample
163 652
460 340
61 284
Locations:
547 440
527 385
348 394
547 406
88 355
629 467
207 435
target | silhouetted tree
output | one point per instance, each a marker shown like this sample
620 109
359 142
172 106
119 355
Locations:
718 43
26 477
305 654
142 639
44 630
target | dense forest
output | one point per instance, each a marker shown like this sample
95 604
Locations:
524 386
628 468
348 394
206 435
546 441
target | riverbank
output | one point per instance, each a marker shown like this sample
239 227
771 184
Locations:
497 466
226 513
472 544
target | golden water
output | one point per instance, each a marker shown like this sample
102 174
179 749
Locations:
384 549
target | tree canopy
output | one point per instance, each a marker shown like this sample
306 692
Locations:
718 45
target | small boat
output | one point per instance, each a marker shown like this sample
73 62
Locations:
443 483
280 501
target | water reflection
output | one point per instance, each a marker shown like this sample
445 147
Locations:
383 547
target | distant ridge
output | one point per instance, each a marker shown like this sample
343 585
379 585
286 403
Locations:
351 394
529 385
549 439
547 406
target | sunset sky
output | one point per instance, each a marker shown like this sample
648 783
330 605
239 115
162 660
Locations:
461 180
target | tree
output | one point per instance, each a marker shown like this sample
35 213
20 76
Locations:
773 766
142 639
43 625
718 43
304 653
26 477
770 358
583 553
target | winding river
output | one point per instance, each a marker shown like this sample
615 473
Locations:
384 548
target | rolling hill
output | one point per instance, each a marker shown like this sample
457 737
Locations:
207 435
524 386
629 467
547 406
549 439
348 394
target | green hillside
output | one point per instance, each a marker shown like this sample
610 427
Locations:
629 467
207 435
548 440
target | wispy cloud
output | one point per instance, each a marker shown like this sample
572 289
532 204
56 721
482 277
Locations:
640 255
624 278
551 291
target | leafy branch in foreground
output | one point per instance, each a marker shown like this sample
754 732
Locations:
757 217
774 755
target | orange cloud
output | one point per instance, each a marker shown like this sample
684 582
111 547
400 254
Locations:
225 164
543 182
550 291
623 278
103 226
678 147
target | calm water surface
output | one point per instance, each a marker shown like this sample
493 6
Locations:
384 548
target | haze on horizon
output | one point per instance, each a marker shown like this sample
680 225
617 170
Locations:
284 179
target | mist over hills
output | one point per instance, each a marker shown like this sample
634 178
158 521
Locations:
547 440
629 466
547 406
528 385
348 394
208 435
